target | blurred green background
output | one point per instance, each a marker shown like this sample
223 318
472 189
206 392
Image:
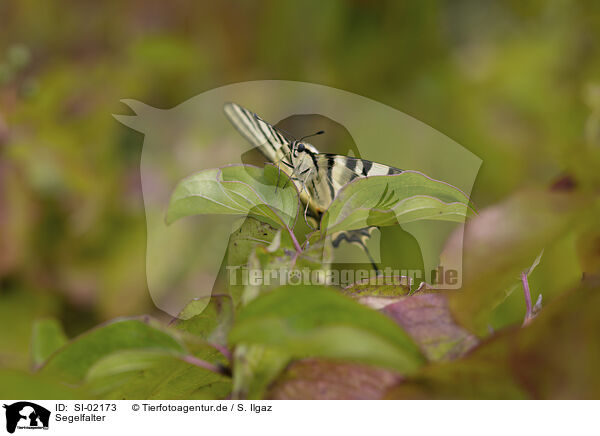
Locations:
514 82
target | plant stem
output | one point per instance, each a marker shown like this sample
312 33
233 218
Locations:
193 360
223 350
294 240
529 312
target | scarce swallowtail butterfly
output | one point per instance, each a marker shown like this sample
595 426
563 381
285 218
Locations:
318 176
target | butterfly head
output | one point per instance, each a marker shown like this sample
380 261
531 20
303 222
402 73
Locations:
302 159
302 154
299 147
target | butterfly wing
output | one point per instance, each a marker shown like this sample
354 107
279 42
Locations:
334 171
271 143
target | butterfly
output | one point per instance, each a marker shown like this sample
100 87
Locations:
318 176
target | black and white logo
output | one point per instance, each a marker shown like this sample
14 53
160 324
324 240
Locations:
26 415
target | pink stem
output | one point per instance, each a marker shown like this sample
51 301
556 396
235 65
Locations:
529 313
294 240
204 364
223 350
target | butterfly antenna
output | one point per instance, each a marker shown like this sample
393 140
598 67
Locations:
320 132
279 129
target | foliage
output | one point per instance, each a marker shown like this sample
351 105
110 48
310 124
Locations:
237 190
391 200
516 84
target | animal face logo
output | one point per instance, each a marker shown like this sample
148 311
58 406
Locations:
185 260
26 415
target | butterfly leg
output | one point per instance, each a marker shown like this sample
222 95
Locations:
279 162
309 171
305 218
304 179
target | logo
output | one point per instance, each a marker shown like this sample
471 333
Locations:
362 138
26 415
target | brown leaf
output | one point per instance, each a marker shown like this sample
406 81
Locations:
425 316
427 319
320 379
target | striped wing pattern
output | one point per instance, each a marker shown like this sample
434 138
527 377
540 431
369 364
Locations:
334 171
272 144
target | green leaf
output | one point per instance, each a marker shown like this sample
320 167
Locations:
255 368
47 337
242 243
318 321
396 199
252 236
155 374
392 289
275 264
208 317
237 190
21 384
122 362
72 362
